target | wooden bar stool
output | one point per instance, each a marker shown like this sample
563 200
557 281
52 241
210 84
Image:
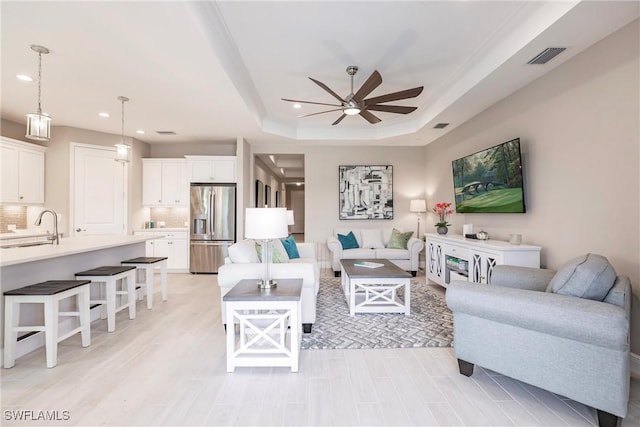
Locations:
49 294
109 275
148 265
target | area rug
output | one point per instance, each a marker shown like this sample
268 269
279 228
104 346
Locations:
429 325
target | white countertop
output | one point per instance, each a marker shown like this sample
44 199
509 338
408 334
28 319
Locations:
67 246
161 229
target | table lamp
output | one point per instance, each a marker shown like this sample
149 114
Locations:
265 224
418 206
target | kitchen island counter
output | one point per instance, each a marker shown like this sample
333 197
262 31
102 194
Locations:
68 246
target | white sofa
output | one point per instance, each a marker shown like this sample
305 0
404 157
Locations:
407 259
306 268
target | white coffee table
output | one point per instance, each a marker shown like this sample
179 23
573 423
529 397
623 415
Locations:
269 324
375 290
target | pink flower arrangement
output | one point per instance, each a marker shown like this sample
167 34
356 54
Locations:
442 210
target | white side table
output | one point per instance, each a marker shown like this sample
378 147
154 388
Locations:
269 324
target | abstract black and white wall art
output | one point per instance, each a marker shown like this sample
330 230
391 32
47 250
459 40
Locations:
366 192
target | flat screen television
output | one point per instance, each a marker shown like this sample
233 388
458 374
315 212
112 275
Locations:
490 181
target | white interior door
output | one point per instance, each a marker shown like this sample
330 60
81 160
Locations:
296 202
99 191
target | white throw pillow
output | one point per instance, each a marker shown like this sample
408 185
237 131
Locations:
372 238
243 252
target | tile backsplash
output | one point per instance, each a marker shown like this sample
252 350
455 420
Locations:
10 214
172 217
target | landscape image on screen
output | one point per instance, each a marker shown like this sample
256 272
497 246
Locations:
490 181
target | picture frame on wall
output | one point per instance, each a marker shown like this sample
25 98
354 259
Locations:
278 202
267 196
259 194
365 192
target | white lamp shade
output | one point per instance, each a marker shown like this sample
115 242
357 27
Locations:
290 220
265 223
122 152
418 205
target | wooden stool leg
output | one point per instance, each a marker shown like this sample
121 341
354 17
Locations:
51 330
131 293
84 315
148 276
11 321
163 279
110 286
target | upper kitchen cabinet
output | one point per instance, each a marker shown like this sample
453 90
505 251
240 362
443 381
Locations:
164 182
221 169
22 172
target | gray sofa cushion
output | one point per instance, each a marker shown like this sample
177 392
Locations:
589 276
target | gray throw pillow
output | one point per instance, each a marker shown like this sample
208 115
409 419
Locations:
589 276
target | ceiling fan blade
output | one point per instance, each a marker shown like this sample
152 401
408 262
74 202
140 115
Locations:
309 102
392 109
325 87
374 80
369 117
321 112
395 96
339 120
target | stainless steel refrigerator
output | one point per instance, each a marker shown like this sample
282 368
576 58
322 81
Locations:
213 225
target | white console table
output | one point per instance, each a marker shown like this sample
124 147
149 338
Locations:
454 257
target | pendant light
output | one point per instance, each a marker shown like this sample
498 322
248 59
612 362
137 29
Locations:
122 149
39 123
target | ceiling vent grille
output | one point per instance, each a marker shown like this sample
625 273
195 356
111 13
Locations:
165 132
441 125
546 55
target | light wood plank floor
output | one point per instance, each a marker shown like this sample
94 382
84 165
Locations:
167 367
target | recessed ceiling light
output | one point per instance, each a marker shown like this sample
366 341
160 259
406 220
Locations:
141 132
297 106
24 78
103 114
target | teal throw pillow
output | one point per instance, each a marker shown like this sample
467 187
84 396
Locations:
349 241
399 240
290 246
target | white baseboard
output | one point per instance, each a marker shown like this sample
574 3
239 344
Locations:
635 365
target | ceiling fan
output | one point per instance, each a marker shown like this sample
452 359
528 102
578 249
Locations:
357 104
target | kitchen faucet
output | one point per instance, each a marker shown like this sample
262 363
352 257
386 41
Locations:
55 239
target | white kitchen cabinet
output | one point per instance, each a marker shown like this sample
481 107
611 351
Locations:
221 169
164 182
22 172
453 257
171 244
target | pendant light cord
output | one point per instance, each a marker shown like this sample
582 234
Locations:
39 80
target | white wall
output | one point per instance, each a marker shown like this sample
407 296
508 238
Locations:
579 129
175 150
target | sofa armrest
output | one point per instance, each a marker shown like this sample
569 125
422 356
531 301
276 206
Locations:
578 319
334 245
415 246
307 250
533 279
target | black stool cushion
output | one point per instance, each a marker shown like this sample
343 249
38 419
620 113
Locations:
145 260
106 271
50 287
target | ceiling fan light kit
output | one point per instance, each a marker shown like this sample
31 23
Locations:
356 103
39 123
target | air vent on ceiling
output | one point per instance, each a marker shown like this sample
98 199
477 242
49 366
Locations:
546 55
165 132
441 125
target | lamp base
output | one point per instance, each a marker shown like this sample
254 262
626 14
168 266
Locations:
267 284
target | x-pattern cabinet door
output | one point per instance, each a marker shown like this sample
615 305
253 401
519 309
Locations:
482 264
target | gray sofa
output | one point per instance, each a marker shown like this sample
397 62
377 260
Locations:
577 347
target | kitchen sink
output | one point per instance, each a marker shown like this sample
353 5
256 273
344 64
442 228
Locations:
25 245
